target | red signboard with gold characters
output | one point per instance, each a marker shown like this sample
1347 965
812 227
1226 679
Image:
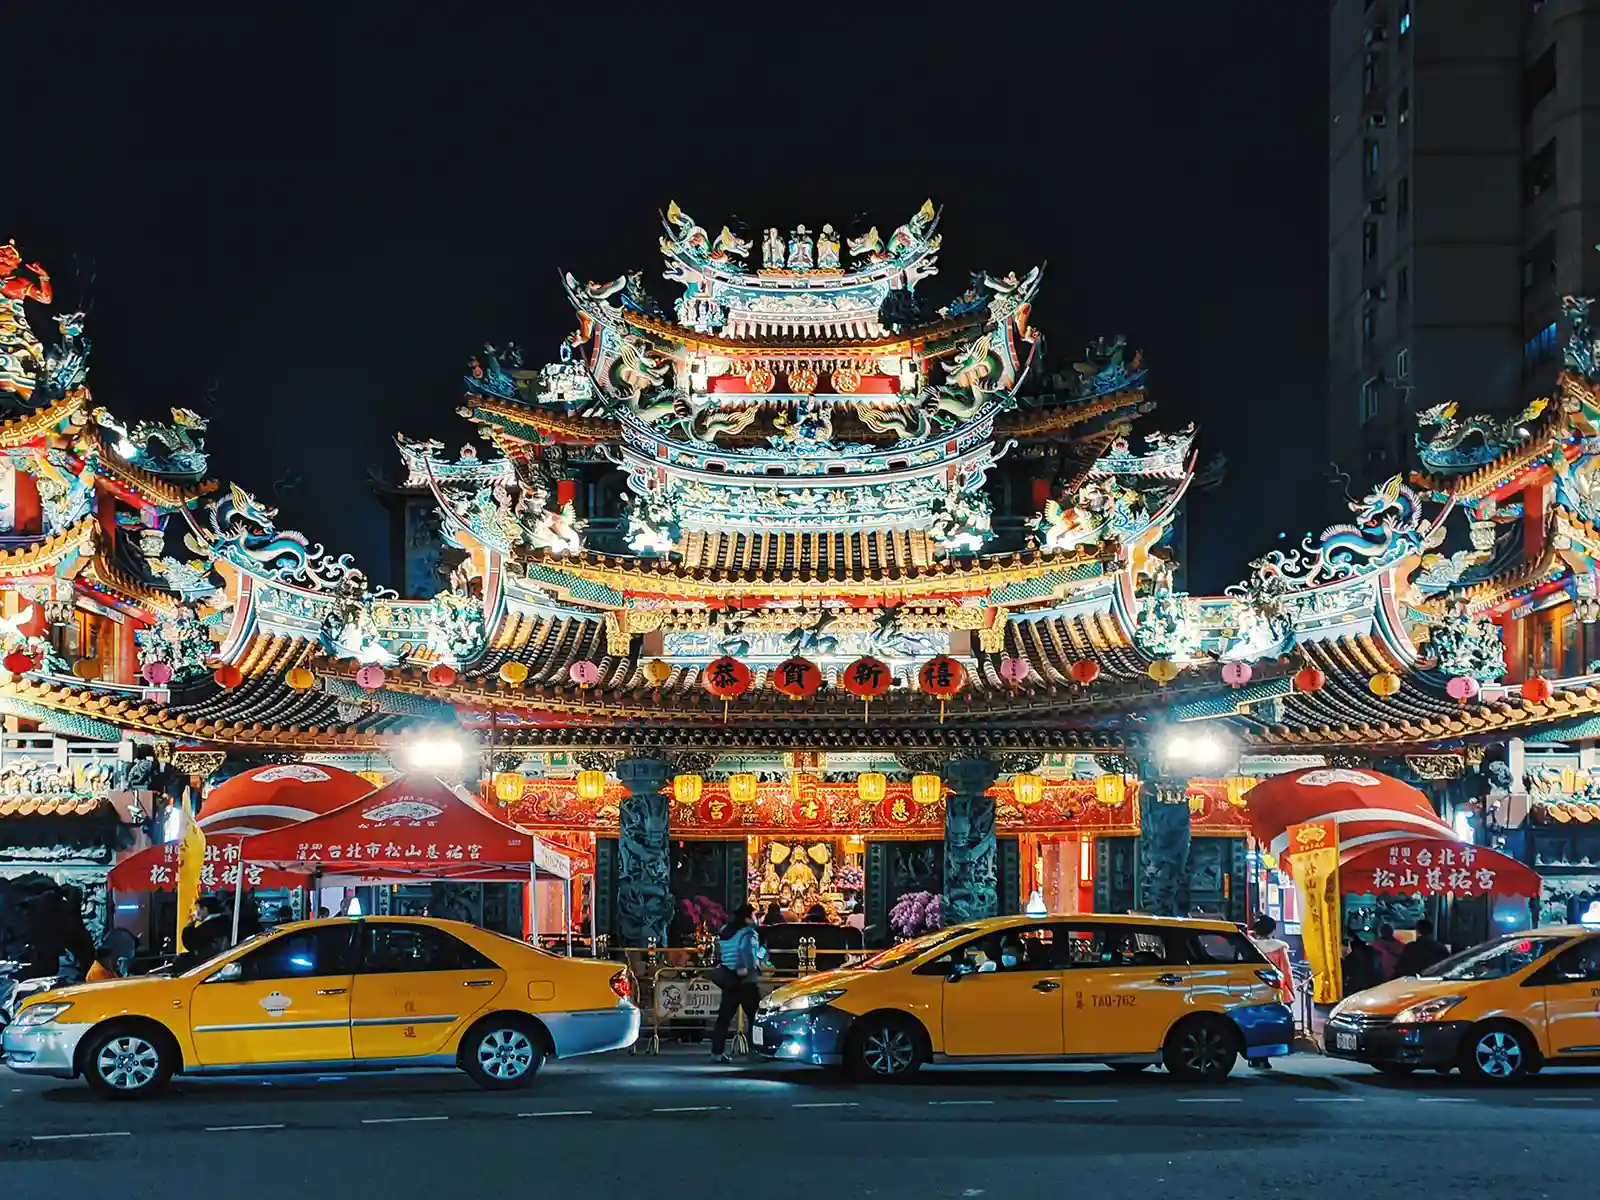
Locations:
822 807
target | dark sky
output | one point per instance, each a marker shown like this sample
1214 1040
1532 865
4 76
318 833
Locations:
324 218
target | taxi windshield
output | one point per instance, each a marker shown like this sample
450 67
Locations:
906 951
1495 960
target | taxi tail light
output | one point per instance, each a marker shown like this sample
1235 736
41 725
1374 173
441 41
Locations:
1270 977
622 984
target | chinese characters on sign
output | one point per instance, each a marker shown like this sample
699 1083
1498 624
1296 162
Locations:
1433 871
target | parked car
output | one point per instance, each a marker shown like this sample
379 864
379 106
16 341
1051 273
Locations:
349 994
1499 1011
1124 990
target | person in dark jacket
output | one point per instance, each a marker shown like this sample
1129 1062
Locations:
1422 953
210 933
774 915
738 971
816 915
1388 949
1360 966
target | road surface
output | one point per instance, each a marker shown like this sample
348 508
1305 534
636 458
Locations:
681 1127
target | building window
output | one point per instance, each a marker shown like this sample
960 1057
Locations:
1540 264
1538 81
1402 284
1369 158
1540 348
1369 241
1369 324
1405 19
1539 173
1369 74
1402 107
1369 400
1402 200
1402 363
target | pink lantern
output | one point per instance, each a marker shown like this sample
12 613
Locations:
157 674
370 678
1462 688
584 673
1236 674
1014 670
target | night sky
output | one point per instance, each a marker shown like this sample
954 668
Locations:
302 230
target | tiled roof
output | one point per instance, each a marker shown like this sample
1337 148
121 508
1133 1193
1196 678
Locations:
45 553
52 806
25 428
784 553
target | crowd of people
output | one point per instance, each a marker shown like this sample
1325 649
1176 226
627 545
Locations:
1367 964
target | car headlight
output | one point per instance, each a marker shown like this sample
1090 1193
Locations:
1338 1008
810 1000
42 1014
1427 1010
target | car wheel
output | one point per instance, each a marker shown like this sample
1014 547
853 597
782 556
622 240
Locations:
502 1053
1204 1048
886 1047
1395 1070
128 1062
1128 1068
1497 1053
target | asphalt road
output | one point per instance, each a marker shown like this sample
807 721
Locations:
680 1127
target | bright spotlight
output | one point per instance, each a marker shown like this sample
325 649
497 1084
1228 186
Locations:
1205 751
125 448
1178 747
434 754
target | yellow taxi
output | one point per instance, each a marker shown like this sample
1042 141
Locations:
1128 991
1499 1011
346 993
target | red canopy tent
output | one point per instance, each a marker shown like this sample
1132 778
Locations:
1369 807
1414 866
155 869
414 827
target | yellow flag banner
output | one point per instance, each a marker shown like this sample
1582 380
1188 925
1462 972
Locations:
1313 859
191 860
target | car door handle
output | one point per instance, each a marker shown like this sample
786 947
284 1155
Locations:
330 991
1047 985
478 983
1169 980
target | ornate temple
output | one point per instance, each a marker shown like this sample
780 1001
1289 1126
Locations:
805 587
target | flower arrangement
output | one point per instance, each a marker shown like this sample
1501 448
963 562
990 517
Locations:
915 914
704 913
849 879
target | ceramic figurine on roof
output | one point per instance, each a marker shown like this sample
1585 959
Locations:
22 357
175 450
1460 445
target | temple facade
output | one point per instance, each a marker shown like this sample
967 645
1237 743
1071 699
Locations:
804 587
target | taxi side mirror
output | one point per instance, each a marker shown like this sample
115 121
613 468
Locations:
958 972
230 973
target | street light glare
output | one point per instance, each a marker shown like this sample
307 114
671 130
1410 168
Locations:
435 754
1206 751
1178 747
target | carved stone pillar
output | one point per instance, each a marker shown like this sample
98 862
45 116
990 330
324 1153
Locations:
1163 847
644 866
969 845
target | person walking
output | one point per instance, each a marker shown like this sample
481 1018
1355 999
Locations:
738 974
1263 933
1388 949
1359 966
1422 953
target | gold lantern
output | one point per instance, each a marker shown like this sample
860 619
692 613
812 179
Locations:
1110 790
872 786
1164 671
1027 790
514 672
1384 683
591 785
508 786
742 790
657 672
927 790
300 679
686 789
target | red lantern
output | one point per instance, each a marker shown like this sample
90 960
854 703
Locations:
441 675
942 677
797 678
1537 689
228 676
1309 679
866 679
726 678
19 663
1085 671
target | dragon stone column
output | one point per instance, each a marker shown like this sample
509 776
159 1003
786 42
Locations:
969 845
644 867
1164 847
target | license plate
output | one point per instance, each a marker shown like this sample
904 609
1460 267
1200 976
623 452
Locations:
1344 1041
755 1036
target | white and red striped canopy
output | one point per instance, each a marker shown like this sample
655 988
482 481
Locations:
1369 807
